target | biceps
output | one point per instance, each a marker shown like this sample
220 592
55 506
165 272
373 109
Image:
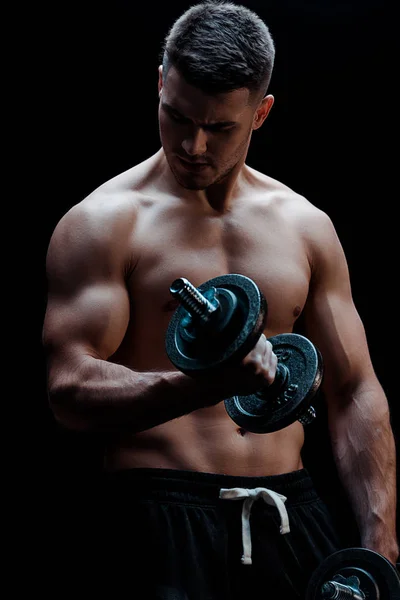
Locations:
96 319
334 325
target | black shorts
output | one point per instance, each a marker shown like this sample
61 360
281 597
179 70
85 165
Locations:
157 534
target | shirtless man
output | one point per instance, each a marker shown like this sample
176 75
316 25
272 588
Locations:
195 209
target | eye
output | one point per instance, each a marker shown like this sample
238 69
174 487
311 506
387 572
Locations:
178 118
219 127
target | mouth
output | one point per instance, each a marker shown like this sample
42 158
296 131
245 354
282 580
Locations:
193 166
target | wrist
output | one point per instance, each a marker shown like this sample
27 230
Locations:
199 392
387 547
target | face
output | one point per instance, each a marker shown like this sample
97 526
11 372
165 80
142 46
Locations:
205 137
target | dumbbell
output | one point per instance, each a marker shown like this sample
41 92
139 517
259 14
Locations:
216 325
357 573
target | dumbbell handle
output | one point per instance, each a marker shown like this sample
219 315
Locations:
332 590
192 300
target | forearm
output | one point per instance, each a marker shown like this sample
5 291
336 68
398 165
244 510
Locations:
364 451
106 397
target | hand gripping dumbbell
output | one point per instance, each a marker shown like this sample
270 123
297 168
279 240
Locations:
357 573
216 325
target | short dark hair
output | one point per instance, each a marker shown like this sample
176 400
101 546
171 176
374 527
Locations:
219 46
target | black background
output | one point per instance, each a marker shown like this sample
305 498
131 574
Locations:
331 135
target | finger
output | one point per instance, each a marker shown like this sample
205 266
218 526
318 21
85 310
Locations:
270 361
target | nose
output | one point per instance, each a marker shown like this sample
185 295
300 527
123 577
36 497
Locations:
196 143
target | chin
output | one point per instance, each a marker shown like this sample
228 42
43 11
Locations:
189 182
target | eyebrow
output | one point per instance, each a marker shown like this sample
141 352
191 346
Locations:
170 108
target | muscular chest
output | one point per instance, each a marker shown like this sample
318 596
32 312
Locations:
200 248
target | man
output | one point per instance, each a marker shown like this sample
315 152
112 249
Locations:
178 470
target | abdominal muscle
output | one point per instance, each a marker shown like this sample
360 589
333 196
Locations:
208 440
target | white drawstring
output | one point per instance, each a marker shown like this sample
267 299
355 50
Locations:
270 497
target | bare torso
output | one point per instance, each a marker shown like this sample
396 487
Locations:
171 239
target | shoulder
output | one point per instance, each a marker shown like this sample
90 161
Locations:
282 202
100 227
107 206
112 207
296 215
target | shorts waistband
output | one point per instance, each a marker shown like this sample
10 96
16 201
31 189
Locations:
297 486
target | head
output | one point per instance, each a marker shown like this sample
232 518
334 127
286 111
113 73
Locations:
217 62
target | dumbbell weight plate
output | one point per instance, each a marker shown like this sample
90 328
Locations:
270 409
363 563
209 353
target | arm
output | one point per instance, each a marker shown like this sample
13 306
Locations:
358 412
86 318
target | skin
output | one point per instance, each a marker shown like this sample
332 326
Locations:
111 261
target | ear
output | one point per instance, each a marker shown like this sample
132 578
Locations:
262 111
160 80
